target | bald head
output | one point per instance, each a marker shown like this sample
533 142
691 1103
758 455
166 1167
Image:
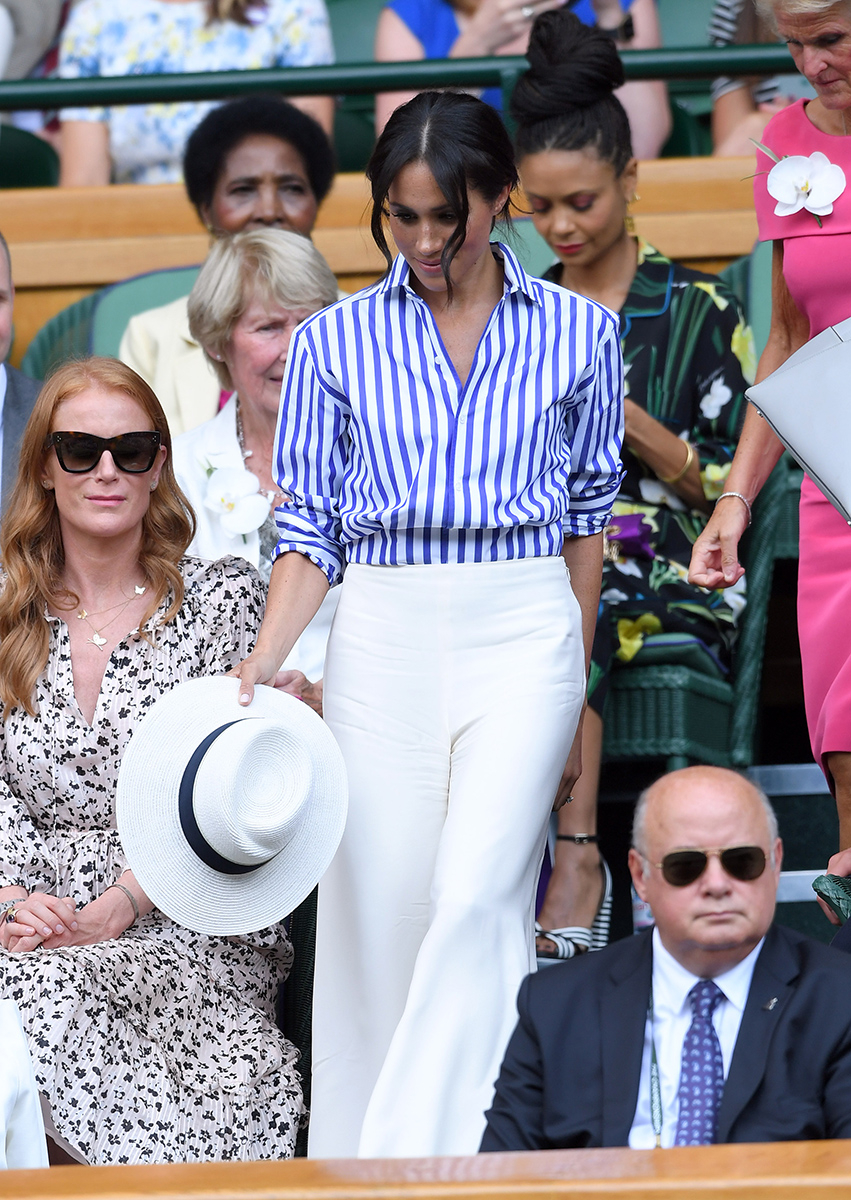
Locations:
698 781
713 922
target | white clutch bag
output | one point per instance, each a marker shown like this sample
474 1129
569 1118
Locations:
807 402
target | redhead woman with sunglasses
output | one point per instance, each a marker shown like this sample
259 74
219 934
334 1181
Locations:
150 1043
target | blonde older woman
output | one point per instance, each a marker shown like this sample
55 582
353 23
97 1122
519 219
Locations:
252 292
812 273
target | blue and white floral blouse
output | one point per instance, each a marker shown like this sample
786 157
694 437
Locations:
153 37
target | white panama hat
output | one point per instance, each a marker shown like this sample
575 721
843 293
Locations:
230 815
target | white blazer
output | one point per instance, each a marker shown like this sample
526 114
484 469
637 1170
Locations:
215 444
22 1142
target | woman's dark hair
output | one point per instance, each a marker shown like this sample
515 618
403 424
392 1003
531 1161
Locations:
565 100
225 127
464 144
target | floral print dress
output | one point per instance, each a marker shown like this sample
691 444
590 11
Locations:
688 357
159 1045
152 37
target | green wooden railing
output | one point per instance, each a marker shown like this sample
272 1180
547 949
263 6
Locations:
362 78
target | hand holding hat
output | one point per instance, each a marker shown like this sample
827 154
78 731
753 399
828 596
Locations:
229 816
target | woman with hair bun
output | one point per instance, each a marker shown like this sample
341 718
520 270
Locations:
687 356
449 439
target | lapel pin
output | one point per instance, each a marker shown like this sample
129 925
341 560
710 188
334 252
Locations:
770 1004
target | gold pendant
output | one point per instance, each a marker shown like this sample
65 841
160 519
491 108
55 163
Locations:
96 640
82 614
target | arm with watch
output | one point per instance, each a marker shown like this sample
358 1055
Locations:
645 101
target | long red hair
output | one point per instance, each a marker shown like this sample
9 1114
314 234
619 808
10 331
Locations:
31 547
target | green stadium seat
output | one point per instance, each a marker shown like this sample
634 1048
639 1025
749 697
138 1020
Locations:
115 305
683 715
26 161
353 27
67 335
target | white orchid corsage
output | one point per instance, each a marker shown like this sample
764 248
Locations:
234 494
797 181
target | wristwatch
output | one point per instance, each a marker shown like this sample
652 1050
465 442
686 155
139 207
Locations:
624 32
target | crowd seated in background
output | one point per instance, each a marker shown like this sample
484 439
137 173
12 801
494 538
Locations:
741 108
688 354
748 1022
414 29
151 1043
17 391
145 143
254 163
253 290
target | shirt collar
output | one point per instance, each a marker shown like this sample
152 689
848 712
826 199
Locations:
516 279
672 982
650 292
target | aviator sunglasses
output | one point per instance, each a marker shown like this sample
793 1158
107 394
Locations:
683 867
133 453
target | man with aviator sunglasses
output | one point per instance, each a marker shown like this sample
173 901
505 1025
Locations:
714 1026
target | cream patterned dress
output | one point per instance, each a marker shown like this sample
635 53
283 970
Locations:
151 37
158 1046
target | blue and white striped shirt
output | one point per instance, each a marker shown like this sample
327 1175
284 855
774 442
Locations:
387 459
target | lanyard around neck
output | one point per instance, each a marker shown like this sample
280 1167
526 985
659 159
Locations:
655 1085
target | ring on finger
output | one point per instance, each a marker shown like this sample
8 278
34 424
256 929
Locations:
527 12
11 916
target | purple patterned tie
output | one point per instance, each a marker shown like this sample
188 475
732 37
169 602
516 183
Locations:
702 1070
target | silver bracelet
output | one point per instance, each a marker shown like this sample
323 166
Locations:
130 897
744 501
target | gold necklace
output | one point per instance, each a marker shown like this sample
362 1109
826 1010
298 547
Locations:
844 122
97 638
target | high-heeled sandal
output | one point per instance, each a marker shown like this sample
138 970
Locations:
572 940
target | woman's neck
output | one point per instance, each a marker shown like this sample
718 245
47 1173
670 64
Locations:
833 121
482 286
607 280
258 426
97 568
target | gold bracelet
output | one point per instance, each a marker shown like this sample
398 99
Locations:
689 460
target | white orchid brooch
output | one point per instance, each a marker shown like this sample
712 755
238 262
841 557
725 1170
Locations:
235 495
797 181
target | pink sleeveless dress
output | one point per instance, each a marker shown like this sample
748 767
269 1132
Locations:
817 269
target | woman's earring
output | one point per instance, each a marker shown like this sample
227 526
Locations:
629 219
48 487
154 485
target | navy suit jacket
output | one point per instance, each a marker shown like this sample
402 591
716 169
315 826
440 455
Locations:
21 392
571 1071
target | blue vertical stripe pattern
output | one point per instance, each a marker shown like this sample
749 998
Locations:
386 459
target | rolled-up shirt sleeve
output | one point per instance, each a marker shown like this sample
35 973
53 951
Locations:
594 432
311 449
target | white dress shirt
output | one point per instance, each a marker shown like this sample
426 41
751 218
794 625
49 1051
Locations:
672 1018
22 1143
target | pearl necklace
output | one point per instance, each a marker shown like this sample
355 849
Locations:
273 495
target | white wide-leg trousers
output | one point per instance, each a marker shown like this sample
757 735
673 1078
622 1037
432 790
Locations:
454 692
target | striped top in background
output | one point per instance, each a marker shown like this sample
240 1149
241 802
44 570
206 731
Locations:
724 30
387 459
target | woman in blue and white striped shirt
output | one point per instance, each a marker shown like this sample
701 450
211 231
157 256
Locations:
450 437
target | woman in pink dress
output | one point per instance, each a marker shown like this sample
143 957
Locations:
811 289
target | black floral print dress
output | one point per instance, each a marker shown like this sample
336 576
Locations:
688 357
160 1045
